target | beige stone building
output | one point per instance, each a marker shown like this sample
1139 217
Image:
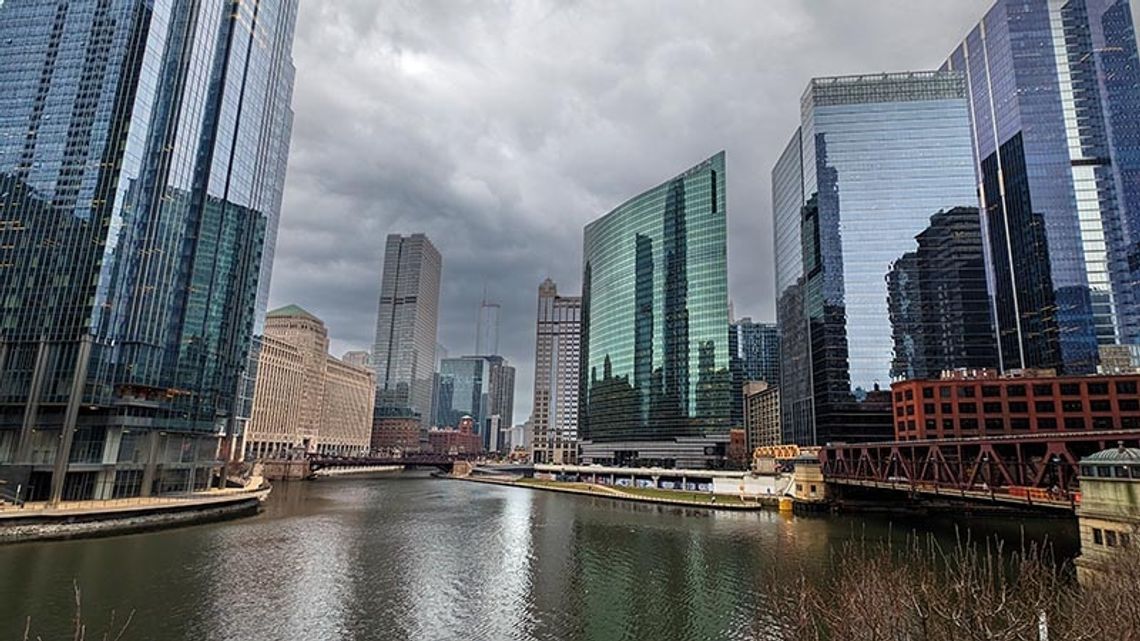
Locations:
557 350
346 409
272 429
762 414
306 401
1109 513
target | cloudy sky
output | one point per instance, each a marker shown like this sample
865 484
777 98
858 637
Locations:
500 129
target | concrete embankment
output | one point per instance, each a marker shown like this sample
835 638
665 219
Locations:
629 494
120 516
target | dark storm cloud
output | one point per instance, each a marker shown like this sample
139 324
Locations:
500 129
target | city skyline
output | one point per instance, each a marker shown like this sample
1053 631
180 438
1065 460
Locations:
911 308
521 178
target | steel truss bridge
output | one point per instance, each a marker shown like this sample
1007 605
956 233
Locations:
1027 469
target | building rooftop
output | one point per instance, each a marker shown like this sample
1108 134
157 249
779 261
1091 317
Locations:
1118 454
291 311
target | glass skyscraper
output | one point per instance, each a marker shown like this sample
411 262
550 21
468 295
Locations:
656 387
407 319
938 301
477 386
754 355
142 161
1054 90
875 157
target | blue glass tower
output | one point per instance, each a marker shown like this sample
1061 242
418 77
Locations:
1054 90
142 161
875 157
754 355
655 356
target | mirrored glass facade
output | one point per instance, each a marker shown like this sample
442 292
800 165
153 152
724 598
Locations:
142 160
754 355
481 387
874 159
1054 90
655 316
464 390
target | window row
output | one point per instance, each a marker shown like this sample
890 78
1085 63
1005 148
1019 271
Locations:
1022 407
1092 388
1041 423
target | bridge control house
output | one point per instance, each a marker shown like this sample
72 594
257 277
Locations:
986 404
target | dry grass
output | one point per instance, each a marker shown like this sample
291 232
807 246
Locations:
973 592
113 631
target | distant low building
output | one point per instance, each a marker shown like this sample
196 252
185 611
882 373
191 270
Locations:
522 438
761 414
463 440
962 406
495 434
1119 359
737 453
395 430
359 358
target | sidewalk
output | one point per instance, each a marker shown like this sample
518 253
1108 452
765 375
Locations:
256 488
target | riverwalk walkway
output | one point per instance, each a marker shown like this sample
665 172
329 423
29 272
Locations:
67 509
643 495
70 519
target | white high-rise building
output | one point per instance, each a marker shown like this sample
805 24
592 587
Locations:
556 369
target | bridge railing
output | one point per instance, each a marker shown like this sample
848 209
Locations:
1031 467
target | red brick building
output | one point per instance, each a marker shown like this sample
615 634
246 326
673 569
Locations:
988 405
396 433
460 441
737 451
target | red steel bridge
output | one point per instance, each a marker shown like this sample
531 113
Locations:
1036 469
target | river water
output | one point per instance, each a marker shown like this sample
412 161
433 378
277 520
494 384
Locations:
413 557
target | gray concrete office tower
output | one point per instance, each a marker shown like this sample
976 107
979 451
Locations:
142 161
557 359
874 158
406 325
1054 90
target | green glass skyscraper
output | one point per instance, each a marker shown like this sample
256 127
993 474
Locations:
655 359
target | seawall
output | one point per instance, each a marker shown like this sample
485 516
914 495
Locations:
108 518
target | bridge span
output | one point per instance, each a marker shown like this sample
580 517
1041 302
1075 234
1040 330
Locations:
1034 469
443 462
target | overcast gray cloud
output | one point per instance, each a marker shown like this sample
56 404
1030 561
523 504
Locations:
500 129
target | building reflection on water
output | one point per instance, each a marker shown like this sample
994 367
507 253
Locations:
410 557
